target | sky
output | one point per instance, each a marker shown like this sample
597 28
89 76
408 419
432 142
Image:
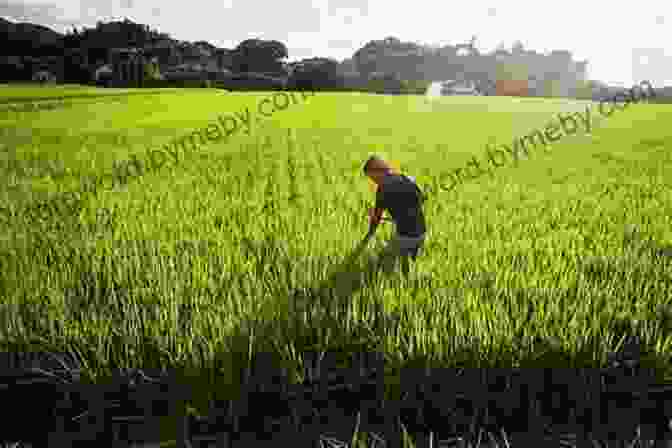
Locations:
624 45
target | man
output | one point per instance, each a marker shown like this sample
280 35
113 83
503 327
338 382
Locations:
401 197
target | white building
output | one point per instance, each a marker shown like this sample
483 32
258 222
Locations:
103 71
44 76
455 87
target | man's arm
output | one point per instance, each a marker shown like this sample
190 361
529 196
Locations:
374 219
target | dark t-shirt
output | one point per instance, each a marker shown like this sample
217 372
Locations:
403 199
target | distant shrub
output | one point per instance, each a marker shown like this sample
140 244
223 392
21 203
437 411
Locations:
220 85
391 84
663 96
251 81
177 83
415 87
160 83
385 83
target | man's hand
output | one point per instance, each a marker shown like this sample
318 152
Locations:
375 216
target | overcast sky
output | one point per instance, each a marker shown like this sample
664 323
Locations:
623 42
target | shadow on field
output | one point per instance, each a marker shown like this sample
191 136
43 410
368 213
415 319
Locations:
353 274
345 278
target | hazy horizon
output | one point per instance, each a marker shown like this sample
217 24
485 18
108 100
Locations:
629 47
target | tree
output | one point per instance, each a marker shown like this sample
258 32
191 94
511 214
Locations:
12 69
389 55
501 50
262 56
314 74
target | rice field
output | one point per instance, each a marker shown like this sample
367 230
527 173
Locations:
246 246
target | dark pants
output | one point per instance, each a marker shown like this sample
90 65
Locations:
404 249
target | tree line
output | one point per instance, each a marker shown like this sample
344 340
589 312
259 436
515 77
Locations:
384 66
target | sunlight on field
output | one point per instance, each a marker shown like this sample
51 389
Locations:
249 243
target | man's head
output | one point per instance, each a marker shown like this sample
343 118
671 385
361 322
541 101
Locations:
376 169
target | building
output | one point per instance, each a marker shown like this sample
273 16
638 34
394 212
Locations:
512 87
44 76
458 87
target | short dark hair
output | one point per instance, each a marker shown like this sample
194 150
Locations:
369 162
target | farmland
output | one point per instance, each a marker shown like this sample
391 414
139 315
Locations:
242 247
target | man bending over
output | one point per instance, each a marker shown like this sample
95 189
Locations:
402 198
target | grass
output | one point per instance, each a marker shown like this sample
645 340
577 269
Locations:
241 248
20 93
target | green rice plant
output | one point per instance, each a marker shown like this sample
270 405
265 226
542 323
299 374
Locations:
247 246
